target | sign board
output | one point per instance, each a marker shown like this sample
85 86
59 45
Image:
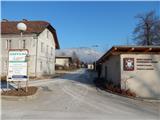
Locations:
17 65
128 64
146 63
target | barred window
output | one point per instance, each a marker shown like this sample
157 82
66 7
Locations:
8 44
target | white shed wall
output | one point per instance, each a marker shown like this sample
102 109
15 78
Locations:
113 69
62 61
144 80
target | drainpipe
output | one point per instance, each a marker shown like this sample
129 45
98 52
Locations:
36 56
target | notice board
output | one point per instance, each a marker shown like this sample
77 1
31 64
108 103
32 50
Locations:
17 65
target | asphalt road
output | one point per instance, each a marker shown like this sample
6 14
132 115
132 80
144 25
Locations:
74 97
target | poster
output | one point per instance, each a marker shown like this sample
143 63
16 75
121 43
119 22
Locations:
128 64
17 65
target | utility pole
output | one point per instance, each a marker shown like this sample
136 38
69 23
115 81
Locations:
95 46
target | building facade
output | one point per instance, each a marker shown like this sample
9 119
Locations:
134 68
63 61
90 66
40 39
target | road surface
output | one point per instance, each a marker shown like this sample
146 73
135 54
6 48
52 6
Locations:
74 97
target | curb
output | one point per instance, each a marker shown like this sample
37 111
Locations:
21 97
131 98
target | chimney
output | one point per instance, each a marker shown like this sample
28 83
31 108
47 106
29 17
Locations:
4 20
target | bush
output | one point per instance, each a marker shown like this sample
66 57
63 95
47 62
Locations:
117 89
109 86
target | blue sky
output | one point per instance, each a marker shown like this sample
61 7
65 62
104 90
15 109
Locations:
83 24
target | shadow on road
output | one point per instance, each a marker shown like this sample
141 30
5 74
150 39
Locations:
83 76
3 85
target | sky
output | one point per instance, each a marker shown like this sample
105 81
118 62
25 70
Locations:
84 24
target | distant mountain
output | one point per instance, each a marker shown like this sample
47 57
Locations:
85 54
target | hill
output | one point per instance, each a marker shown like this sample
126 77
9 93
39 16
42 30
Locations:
85 54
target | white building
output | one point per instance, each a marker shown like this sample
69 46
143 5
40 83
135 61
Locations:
90 66
134 68
63 61
40 39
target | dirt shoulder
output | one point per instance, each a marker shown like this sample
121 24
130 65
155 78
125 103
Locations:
20 92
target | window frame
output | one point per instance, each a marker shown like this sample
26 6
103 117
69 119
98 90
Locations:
24 44
10 44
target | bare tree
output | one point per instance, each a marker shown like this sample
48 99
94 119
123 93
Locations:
75 58
147 31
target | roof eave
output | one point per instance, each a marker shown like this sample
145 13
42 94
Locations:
57 46
130 49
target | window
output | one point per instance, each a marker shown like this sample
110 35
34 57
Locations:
47 49
6 44
51 51
47 34
41 65
42 46
10 42
24 44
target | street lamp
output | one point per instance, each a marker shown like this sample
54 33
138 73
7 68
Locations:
21 27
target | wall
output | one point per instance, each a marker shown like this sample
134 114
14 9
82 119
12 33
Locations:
113 69
17 44
46 61
144 80
0 57
62 61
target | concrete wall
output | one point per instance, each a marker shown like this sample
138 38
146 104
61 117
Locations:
144 80
111 69
63 61
48 60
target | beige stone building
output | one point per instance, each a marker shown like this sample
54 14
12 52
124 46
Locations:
40 39
90 66
135 68
63 62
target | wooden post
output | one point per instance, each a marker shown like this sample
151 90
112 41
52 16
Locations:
27 74
27 86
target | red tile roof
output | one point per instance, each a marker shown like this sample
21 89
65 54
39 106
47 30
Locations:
116 50
33 27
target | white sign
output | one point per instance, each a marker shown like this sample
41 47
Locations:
17 65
